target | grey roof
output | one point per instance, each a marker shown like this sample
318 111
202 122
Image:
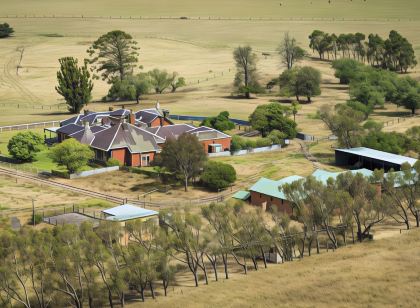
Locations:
173 131
120 113
72 120
145 116
94 129
125 135
128 211
70 129
379 155
207 133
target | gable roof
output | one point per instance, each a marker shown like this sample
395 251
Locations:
379 155
273 188
172 131
124 135
323 175
207 133
127 212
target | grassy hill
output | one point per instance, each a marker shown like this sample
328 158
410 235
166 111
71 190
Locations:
379 273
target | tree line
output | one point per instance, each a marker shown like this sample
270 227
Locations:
371 87
395 53
79 266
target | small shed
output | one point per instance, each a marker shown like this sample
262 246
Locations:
127 212
242 195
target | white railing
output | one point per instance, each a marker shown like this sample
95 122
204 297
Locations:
28 126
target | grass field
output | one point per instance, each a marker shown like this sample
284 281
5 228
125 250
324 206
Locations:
382 273
199 49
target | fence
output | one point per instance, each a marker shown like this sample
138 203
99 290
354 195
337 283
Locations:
205 18
31 106
29 126
202 118
273 147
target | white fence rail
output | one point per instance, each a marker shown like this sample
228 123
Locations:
273 147
29 126
84 174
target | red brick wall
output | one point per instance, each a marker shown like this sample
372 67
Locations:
258 199
224 142
119 154
135 160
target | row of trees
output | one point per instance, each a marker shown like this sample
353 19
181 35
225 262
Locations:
371 87
73 266
394 53
347 124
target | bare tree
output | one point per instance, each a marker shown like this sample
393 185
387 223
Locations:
289 51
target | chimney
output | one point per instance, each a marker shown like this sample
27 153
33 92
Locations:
132 118
85 112
111 108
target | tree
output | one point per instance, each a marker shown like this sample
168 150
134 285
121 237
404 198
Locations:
308 82
217 175
220 122
362 202
184 156
346 69
408 94
295 109
5 30
246 78
24 146
273 116
344 122
318 40
114 55
289 51
131 88
303 81
391 142
160 80
74 84
399 53
177 82
71 154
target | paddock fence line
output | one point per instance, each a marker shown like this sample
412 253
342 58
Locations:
202 118
204 18
62 106
29 126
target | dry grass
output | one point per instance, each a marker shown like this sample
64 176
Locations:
373 274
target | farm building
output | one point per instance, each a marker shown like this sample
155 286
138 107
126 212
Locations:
323 175
135 138
371 159
128 212
267 193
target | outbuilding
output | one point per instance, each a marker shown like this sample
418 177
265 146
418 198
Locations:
371 159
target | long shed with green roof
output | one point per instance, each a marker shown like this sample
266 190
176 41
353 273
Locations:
268 193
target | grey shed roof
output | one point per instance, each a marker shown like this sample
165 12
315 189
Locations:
379 155
173 131
70 129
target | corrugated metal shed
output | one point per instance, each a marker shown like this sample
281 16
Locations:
128 211
273 188
380 155
323 175
242 195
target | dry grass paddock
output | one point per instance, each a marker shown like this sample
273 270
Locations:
381 273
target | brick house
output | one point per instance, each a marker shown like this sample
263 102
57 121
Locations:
267 193
134 138
213 141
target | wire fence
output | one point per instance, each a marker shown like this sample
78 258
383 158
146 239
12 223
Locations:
29 126
205 18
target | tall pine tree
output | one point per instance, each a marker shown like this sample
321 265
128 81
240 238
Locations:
74 84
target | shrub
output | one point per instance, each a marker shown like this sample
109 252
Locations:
220 122
263 142
71 154
277 137
346 69
218 175
237 143
24 146
35 219
250 144
113 162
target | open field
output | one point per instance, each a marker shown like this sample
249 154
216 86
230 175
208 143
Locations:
199 49
380 273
